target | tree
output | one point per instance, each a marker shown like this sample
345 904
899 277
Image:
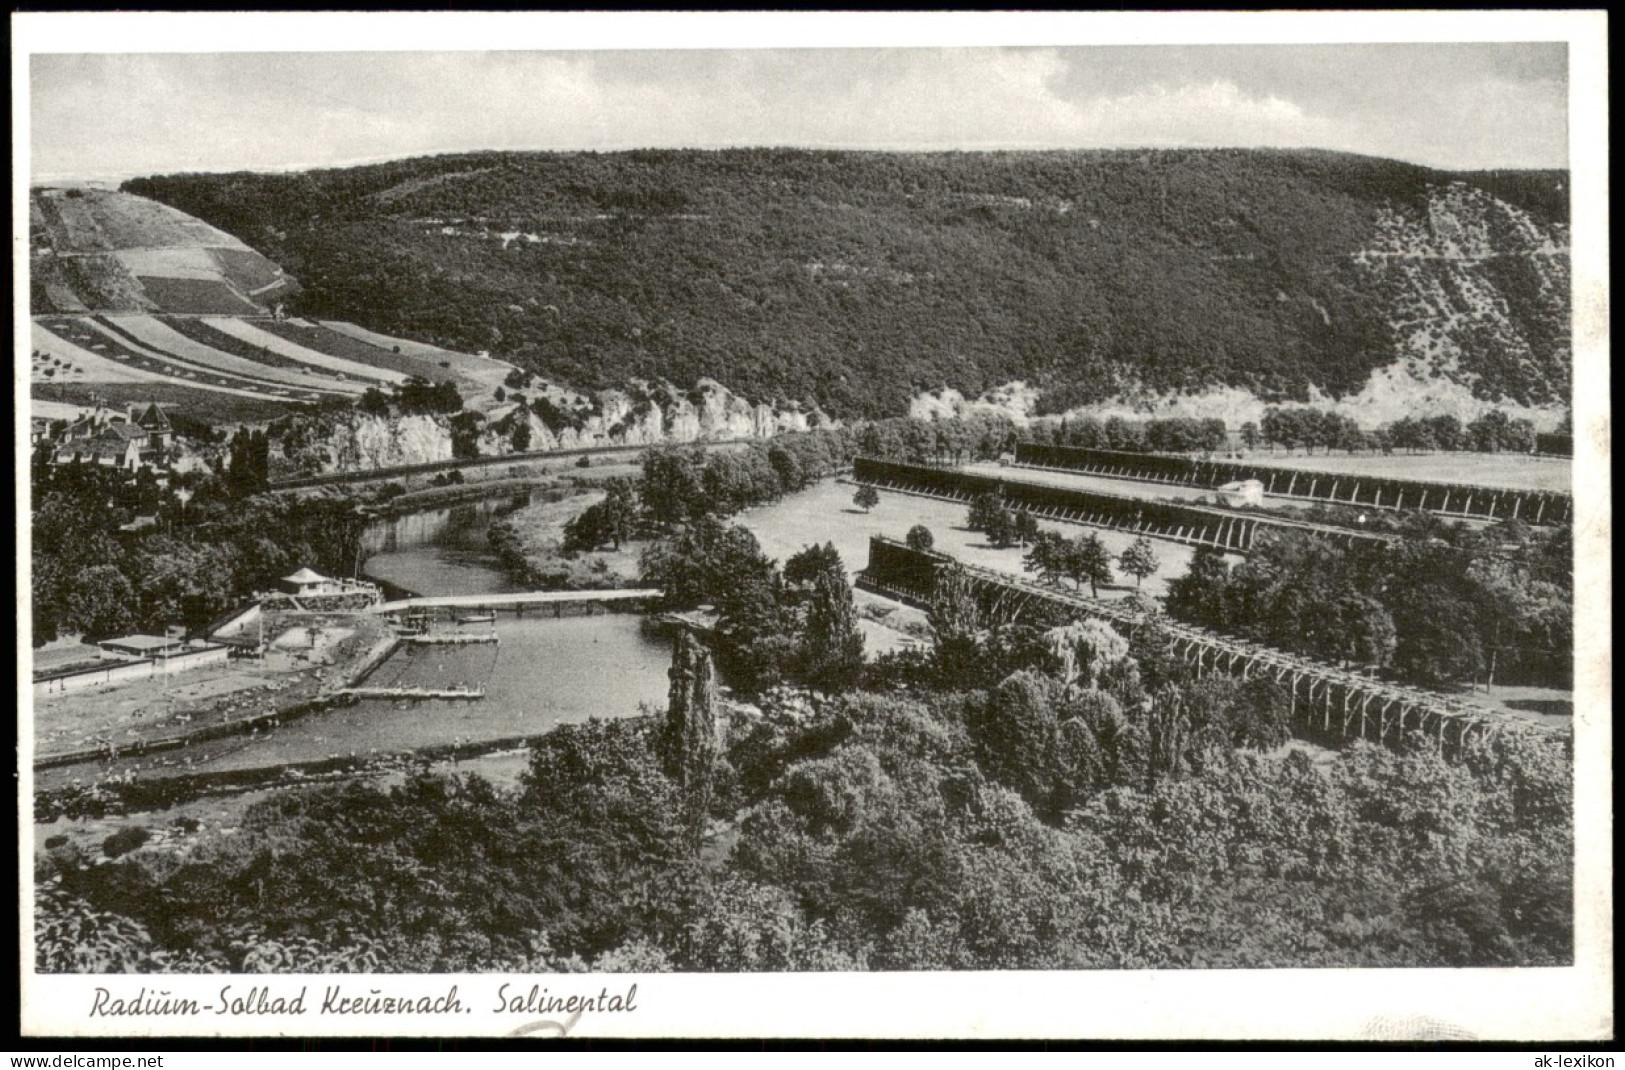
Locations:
1249 434
1014 733
956 618
100 601
1000 528
1201 596
520 437
1139 560
465 434
866 498
985 509
688 739
373 402
620 506
832 651
1048 557
1090 562
671 488
1085 650
808 564
919 537
1023 527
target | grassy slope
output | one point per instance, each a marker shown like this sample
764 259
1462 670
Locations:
856 279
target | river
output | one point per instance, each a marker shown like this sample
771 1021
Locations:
543 672
439 551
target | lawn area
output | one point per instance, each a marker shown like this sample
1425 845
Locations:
540 528
825 513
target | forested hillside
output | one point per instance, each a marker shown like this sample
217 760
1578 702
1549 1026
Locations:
855 280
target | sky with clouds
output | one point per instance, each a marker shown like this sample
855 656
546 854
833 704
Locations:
1453 106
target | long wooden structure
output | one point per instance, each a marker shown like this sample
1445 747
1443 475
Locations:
1326 701
1339 488
1198 525
635 598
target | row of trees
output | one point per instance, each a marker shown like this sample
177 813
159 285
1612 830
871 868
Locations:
1085 559
1297 427
1163 435
1444 606
1054 557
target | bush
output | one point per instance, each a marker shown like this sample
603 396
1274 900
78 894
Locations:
124 841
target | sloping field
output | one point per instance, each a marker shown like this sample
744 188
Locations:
1515 471
104 282
107 251
196 296
94 220
480 369
162 339
312 336
115 366
251 334
93 336
191 263
213 404
54 410
202 333
97 367
248 269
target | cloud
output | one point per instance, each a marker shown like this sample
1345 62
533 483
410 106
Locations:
144 113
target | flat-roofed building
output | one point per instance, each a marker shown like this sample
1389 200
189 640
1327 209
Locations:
143 646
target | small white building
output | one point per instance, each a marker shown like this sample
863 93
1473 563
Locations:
1245 492
308 582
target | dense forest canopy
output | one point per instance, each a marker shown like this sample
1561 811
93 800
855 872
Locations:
856 280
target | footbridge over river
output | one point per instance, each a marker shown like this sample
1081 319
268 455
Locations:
1464 500
1198 525
631 600
1326 701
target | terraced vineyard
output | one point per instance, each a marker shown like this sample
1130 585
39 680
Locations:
150 365
198 363
249 334
324 339
160 338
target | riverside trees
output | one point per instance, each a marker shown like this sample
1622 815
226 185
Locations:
1126 821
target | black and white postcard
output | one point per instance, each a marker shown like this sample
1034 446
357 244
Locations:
842 525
